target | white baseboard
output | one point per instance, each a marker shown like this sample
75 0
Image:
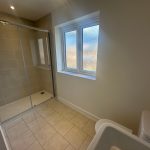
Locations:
79 109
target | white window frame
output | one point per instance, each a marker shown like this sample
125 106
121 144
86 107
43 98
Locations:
75 25
79 45
64 30
40 51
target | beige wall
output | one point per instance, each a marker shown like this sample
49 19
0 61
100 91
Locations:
14 83
7 17
121 90
44 22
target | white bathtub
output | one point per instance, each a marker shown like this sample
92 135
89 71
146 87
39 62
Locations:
3 142
111 137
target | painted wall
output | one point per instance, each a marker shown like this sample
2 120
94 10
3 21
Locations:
122 88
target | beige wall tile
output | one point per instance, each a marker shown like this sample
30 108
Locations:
14 44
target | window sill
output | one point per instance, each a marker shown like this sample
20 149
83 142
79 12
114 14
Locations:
78 75
44 68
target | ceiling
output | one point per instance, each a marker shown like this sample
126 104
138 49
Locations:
30 9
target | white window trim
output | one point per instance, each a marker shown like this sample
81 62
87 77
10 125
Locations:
41 51
78 25
78 75
65 68
36 54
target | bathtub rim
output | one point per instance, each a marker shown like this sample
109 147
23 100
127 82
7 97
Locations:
102 129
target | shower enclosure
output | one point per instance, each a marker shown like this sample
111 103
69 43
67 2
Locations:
26 77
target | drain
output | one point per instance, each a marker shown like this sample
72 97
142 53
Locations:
42 93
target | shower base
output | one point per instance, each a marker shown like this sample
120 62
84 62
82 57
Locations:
12 109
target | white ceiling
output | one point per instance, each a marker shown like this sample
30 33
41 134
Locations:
30 9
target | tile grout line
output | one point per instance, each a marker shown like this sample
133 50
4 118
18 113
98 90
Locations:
48 124
33 135
72 128
57 131
18 117
53 126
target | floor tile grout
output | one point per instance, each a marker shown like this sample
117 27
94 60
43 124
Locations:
52 105
33 135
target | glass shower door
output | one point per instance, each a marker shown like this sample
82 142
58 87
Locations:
13 79
25 74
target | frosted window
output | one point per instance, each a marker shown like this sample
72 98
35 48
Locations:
90 46
41 51
71 49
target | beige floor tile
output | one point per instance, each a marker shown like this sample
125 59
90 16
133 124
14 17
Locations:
54 103
63 126
37 124
80 121
52 125
69 148
10 123
69 114
46 112
45 134
23 142
43 106
89 128
60 108
56 143
75 137
17 130
35 146
54 118
29 116
86 143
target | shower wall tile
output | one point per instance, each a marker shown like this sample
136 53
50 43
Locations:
2 102
45 79
13 44
9 31
8 64
16 79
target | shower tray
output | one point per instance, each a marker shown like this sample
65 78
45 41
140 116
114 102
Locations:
15 108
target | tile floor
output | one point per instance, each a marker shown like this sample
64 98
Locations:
49 126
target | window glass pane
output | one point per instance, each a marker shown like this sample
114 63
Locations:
41 51
71 56
90 46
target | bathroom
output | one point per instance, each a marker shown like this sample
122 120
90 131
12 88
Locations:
53 90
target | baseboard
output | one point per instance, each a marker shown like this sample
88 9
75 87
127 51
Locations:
79 109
